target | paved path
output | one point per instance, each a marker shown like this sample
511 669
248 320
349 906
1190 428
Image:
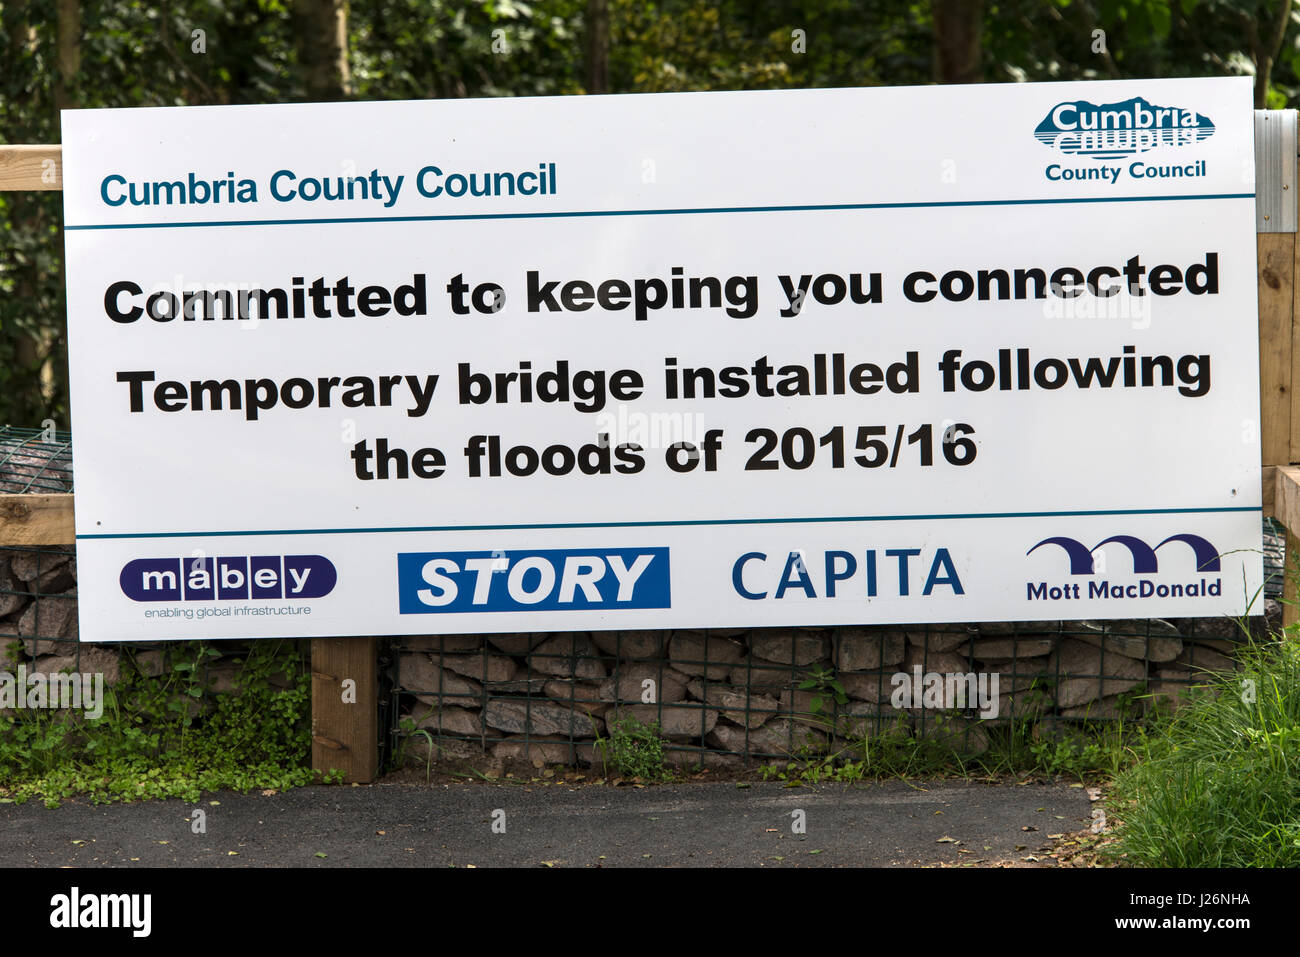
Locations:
558 825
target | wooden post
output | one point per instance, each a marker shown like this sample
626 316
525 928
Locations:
1276 187
345 707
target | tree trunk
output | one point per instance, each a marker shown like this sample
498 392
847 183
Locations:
597 46
321 39
1267 50
957 28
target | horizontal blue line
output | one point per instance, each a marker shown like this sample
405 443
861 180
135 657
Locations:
668 212
704 521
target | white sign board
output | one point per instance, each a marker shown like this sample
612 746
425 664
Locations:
684 360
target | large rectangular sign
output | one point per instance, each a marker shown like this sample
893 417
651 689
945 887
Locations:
682 360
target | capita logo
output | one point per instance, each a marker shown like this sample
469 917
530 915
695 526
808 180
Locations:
1117 130
233 578
1193 565
598 579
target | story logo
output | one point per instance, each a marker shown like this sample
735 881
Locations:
541 580
233 578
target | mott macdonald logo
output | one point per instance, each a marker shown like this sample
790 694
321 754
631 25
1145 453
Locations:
1118 130
1198 554
231 578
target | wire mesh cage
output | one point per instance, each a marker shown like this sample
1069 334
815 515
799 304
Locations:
35 460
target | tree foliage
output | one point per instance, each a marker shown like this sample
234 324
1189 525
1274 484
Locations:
193 52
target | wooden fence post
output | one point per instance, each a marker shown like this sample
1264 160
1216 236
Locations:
345 707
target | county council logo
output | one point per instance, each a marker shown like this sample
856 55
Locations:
1115 130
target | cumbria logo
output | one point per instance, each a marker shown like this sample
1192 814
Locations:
1114 130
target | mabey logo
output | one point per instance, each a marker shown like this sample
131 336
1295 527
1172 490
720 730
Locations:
544 580
1115 130
234 578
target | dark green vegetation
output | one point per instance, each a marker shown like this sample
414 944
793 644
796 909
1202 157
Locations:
169 736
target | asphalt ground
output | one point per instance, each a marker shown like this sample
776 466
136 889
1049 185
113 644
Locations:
561 823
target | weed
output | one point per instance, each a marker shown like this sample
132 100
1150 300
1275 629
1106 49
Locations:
635 750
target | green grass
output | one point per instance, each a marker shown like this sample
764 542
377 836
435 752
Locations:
1217 783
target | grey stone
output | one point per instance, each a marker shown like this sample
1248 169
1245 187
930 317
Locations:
1019 705
1077 659
876 687
1201 658
938 640
738 707
446 644
1161 648
525 682
419 673
1174 686
799 648
628 686
1125 626
1224 627
150 661
570 656
798 707
50 618
760 680
579 695
56 573
94 660
780 737
420 752
688 757
541 718
516 645
690 649
943 662
631 645
1036 628
1014 647
538 751
483 667
450 719
862 649
1017 674
676 722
